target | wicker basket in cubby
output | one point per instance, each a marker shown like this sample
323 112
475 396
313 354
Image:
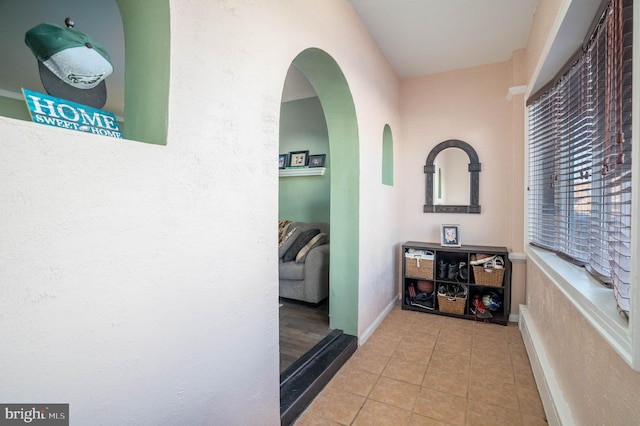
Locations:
488 276
418 268
451 304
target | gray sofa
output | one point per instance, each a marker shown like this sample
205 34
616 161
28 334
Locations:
307 277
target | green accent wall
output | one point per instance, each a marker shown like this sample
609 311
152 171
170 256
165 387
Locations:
147 47
303 128
387 156
14 108
332 88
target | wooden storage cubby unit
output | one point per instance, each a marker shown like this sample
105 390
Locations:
480 285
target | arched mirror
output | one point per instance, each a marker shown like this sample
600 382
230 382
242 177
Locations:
452 178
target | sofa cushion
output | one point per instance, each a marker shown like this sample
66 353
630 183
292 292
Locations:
289 239
300 242
283 228
316 241
322 226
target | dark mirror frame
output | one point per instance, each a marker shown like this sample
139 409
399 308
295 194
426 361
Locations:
474 176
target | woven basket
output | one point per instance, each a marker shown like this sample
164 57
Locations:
451 305
488 276
418 268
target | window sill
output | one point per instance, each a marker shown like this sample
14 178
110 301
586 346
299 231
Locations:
595 302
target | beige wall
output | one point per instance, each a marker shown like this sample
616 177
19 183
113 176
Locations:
541 27
470 105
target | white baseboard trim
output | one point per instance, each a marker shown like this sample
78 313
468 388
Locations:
514 318
369 331
555 406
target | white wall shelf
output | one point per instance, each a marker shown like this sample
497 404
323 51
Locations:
303 171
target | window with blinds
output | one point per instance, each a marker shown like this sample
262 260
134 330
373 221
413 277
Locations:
580 156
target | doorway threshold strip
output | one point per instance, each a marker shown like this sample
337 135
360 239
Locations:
307 376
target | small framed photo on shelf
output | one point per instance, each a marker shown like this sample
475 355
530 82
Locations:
298 158
282 161
450 235
317 160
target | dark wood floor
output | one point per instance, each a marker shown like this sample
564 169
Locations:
302 326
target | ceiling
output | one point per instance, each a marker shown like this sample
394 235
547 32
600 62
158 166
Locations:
421 37
418 37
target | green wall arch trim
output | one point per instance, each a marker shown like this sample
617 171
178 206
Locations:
146 69
334 93
387 156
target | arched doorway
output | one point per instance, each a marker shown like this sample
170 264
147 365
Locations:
305 378
332 88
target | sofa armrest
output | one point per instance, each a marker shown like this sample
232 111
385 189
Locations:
317 256
316 272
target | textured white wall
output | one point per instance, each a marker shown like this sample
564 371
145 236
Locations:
139 282
583 363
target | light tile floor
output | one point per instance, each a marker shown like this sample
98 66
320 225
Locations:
424 369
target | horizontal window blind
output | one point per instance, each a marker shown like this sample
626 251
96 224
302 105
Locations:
542 174
580 156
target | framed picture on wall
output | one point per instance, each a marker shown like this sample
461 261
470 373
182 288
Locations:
298 158
317 160
282 161
450 235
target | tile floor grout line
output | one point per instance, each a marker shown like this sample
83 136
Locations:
475 347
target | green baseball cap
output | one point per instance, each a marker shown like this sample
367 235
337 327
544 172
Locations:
72 66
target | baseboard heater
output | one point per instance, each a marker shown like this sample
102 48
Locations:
305 378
